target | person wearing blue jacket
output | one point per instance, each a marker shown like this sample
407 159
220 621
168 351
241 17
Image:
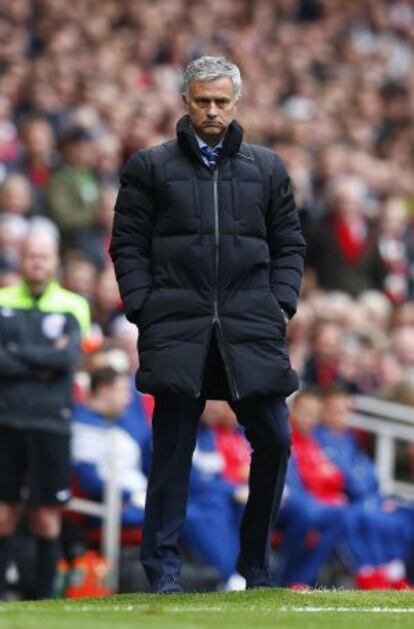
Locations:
393 535
215 507
106 439
310 529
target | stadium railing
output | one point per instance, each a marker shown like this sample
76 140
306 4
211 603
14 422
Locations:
109 511
390 422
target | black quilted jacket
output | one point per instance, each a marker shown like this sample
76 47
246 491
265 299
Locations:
193 245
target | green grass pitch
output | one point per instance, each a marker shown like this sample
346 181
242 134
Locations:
256 609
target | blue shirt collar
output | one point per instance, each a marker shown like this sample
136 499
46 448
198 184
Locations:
202 143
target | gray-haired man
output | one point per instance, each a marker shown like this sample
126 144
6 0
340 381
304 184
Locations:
208 254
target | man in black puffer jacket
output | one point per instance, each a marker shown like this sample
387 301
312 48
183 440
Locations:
208 254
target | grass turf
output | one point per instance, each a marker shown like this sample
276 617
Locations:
261 608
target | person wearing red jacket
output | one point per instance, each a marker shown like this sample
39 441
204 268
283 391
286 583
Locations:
232 445
315 500
310 520
322 479
394 517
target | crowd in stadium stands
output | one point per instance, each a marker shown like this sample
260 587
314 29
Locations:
329 84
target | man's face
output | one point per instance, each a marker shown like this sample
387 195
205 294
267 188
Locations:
81 153
119 396
39 260
335 411
211 106
305 413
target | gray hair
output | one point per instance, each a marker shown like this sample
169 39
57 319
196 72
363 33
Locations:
41 225
211 68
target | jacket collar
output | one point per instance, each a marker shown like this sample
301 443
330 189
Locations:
187 140
27 295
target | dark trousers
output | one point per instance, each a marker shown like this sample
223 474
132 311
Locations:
175 422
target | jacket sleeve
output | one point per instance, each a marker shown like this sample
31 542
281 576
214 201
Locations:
286 242
88 479
49 358
92 483
12 366
130 247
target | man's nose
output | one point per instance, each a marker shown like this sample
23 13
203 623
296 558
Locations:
212 110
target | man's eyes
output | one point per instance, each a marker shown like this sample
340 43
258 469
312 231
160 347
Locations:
205 103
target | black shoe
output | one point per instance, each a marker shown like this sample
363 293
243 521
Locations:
257 575
167 584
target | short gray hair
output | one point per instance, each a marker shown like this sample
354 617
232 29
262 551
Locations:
211 68
43 226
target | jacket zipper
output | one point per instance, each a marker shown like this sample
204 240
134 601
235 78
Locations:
216 243
216 318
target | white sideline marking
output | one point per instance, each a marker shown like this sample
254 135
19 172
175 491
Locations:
144 608
373 610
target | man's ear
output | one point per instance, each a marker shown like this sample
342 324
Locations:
185 101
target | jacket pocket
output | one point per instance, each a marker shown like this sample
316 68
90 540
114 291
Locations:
141 316
279 313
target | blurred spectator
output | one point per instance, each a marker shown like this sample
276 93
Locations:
37 156
310 529
377 308
94 242
106 300
109 159
403 344
339 244
395 520
394 252
102 447
8 137
125 335
217 497
41 326
322 367
72 191
9 271
80 274
368 542
13 233
15 195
